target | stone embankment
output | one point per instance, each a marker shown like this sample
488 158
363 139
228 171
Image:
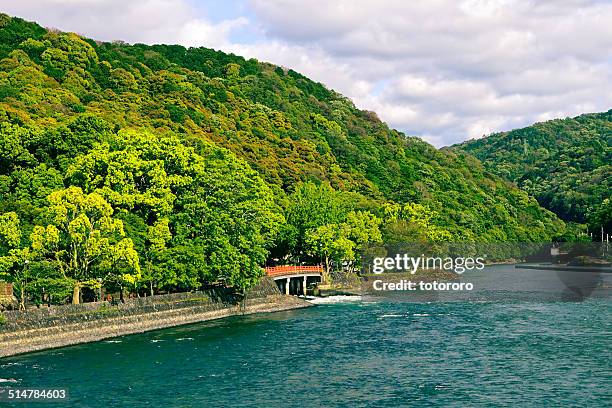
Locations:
60 326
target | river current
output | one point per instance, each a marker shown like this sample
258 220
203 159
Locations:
389 351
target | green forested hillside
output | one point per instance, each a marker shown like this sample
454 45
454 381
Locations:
565 163
161 168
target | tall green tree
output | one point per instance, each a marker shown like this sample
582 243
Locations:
413 222
218 217
342 243
157 239
329 241
88 244
13 257
311 206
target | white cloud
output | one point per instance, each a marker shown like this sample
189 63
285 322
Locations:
442 69
456 70
144 21
196 32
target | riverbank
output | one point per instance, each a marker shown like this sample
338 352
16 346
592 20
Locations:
49 328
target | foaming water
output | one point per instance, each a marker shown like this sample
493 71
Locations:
335 299
383 353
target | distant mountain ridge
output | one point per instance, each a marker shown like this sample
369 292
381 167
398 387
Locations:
565 163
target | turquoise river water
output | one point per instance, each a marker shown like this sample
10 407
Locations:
390 351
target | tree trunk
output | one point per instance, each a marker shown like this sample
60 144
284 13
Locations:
76 294
243 301
326 275
151 287
22 298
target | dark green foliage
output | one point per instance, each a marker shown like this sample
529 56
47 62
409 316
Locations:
565 163
15 30
211 162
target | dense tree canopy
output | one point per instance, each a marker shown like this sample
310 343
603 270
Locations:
197 167
565 163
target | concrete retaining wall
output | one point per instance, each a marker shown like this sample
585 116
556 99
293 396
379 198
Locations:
46 328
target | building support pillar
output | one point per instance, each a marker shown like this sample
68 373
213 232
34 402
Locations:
287 286
304 287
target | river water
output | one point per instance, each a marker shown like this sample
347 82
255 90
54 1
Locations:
523 350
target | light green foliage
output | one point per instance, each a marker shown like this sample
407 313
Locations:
197 167
84 239
55 62
159 235
339 235
14 141
363 228
329 242
223 214
232 70
311 206
413 222
10 240
157 238
601 216
125 177
10 234
14 258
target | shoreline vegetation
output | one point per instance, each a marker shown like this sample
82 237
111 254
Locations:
45 328
160 169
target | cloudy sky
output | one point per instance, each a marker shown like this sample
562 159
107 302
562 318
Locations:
445 70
